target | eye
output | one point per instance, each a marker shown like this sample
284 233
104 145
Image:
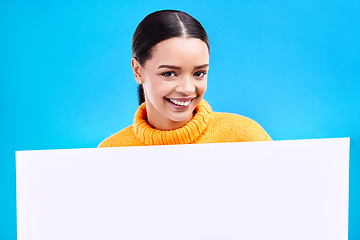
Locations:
168 74
200 74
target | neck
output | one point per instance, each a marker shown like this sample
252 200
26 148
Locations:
184 134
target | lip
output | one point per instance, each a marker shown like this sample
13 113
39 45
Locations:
179 107
181 99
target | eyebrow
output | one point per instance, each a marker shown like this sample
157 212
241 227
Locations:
202 66
169 66
179 68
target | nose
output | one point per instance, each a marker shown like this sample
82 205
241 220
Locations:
186 86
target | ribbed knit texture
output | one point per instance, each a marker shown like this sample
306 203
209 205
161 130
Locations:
205 127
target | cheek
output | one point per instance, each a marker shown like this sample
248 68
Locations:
202 87
158 88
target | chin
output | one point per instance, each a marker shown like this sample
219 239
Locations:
183 116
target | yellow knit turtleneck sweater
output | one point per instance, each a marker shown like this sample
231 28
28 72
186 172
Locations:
205 127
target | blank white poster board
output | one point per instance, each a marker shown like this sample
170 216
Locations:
261 190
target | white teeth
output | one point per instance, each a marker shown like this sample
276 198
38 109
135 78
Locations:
180 103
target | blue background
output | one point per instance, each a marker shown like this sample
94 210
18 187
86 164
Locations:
66 80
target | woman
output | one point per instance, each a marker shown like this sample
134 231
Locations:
170 63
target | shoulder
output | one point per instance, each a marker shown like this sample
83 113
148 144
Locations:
240 126
234 119
125 137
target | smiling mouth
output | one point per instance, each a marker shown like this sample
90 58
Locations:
181 103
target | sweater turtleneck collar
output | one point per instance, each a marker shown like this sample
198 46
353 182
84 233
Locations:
184 135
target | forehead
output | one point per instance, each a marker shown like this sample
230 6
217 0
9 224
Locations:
180 51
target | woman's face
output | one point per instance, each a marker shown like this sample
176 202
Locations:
174 81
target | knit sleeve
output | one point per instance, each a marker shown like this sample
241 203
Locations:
254 132
123 138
